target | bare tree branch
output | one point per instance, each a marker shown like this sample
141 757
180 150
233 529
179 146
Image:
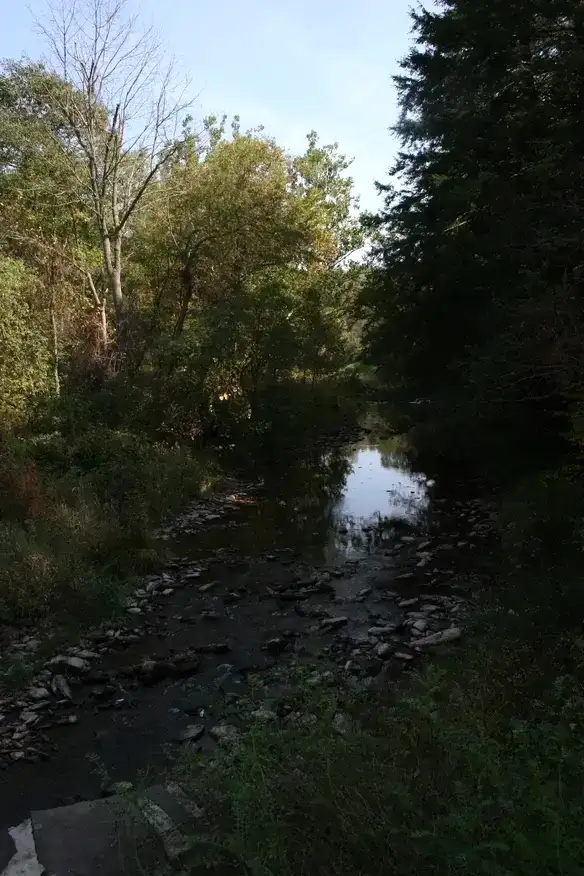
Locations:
123 105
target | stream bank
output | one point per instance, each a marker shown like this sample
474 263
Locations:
346 564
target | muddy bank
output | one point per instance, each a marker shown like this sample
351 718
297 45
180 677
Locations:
345 563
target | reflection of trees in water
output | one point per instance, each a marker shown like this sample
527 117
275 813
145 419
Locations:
391 451
408 505
308 489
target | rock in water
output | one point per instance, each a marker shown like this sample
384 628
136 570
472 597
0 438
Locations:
449 635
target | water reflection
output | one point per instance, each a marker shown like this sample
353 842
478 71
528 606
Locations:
327 506
380 493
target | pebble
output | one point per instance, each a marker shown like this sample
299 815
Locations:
383 650
76 664
402 655
264 714
449 635
342 724
224 733
331 623
60 687
383 631
38 693
192 733
117 788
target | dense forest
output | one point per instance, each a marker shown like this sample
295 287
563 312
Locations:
178 297
476 301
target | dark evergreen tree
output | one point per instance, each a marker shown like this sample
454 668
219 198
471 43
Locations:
476 302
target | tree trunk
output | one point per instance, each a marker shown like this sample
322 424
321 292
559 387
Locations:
55 337
103 323
100 306
188 285
112 253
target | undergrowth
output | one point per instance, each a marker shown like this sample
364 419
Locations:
76 520
443 779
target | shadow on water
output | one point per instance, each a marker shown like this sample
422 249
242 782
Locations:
327 506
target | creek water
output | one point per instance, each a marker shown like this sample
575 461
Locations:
334 508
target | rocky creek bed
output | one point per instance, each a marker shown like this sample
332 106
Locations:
348 574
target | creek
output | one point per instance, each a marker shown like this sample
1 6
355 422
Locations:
294 572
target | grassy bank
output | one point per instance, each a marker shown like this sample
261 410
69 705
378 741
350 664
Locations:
473 764
476 767
77 519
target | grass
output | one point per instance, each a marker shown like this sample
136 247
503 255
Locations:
76 521
477 766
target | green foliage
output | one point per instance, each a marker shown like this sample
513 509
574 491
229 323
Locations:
473 304
77 520
24 359
432 783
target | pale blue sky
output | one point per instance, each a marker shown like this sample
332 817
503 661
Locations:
291 66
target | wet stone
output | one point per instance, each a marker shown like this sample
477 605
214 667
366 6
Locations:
264 715
224 733
113 788
38 693
383 650
333 623
214 648
192 733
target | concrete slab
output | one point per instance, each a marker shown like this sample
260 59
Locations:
7 849
98 838
23 861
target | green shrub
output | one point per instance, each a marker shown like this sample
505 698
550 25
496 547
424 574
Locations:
433 783
77 519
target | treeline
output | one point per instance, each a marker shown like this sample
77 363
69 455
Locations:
135 242
475 312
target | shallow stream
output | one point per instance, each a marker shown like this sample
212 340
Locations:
251 592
